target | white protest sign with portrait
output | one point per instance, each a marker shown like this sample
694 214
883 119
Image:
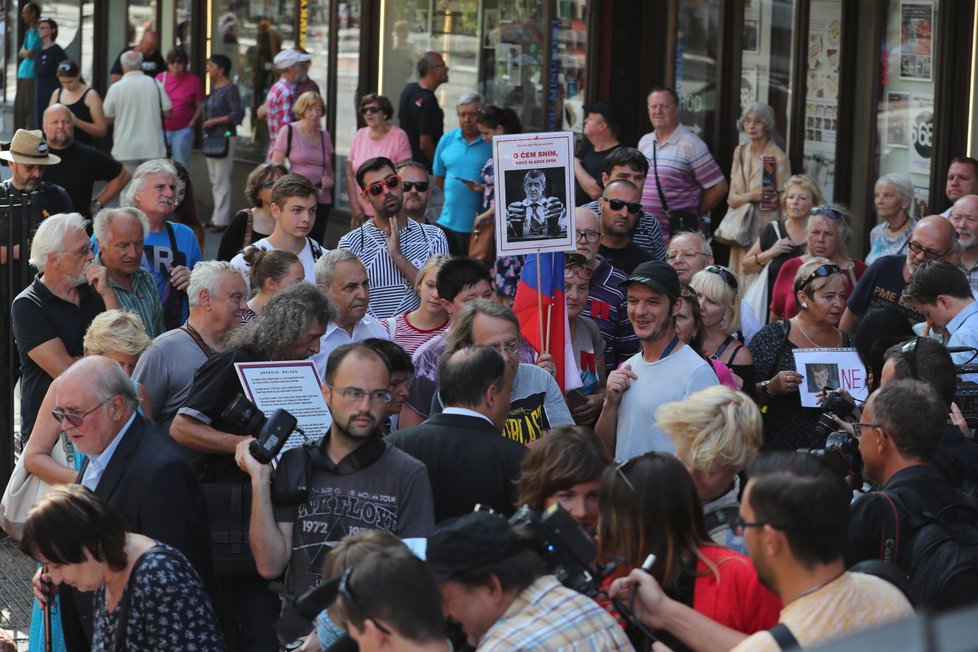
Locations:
832 368
293 386
534 192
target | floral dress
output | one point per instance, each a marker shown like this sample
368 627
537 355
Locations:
508 268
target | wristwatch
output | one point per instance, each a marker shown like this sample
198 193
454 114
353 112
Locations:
97 203
765 389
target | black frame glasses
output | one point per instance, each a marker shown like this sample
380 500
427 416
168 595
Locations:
857 428
375 189
739 525
618 204
76 420
354 395
589 236
728 277
420 186
929 254
351 603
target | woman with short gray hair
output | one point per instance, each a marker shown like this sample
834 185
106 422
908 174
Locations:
753 164
892 197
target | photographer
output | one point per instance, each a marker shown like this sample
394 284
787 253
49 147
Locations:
900 432
496 588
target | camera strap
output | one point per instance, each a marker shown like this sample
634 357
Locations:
198 339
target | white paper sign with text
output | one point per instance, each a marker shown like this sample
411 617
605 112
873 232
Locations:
833 368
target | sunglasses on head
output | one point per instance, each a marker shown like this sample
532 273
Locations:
391 182
420 186
909 352
725 274
820 272
828 212
617 205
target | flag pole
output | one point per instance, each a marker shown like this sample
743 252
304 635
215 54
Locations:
540 301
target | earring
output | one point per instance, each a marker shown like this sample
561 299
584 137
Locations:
804 306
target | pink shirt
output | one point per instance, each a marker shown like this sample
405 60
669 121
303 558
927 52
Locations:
307 159
184 92
394 145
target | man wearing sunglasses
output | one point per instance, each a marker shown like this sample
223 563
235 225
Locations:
391 246
418 189
933 238
619 207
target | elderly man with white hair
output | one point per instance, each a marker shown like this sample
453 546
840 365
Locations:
458 162
51 315
170 250
136 105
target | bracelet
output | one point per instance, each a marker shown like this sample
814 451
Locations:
757 260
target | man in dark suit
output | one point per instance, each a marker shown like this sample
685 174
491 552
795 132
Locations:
469 461
133 466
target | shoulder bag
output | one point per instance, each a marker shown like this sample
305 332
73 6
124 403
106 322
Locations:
678 220
25 489
482 244
757 294
216 145
736 228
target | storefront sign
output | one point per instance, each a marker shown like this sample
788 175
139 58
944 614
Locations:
921 132
916 41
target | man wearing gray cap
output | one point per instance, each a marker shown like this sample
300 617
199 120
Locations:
664 371
497 589
277 109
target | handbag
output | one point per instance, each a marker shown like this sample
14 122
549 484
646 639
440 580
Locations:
482 244
756 296
25 489
736 227
216 146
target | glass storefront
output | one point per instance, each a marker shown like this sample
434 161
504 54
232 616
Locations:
697 39
765 74
822 92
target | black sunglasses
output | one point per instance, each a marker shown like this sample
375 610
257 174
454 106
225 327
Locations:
367 110
820 272
727 276
617 205
420 186
391 182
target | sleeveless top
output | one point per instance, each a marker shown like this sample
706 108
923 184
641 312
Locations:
82 112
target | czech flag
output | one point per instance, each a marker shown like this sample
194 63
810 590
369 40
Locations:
539 306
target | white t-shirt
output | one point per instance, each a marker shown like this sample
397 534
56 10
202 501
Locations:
306 257
335 337
136 102
671 379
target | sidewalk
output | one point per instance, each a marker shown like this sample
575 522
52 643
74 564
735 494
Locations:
16 599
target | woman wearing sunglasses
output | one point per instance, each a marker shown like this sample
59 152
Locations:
83 101
820 297
118 335
378 138
649 505
828 234
718 292
252 224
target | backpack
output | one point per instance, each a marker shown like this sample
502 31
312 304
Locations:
943 568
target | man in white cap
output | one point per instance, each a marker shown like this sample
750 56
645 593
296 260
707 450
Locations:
277 109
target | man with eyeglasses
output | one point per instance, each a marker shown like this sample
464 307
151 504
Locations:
418 190
933 238
619 207
606 303
688 253
135 468
391 246
796 544
51 315
288 328
901 430
348 481
468 462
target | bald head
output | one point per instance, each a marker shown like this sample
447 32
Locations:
588 224
964 217
58 128
934 238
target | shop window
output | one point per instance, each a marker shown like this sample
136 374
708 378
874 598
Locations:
765 74
697 40
142 17
569 51
250 35
906 110
183 19
822 92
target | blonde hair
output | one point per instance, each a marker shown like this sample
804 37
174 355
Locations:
816 284
434 263
714 287
306 101
118 331
802 181
713 428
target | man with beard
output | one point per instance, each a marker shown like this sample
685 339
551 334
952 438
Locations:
665 370
964 217
392 246
81 166
619 207
934 238
349 481
794 518
417 189
277 109
51 315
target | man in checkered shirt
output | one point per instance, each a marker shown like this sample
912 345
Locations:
277 109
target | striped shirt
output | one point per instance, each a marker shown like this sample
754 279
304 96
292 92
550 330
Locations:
407 336
143 299
647 233
608 307
390 292
685 168
549 616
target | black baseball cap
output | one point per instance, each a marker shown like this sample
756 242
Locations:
469 542
657 275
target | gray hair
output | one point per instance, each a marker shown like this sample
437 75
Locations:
459 335
699 237
102 222
140 176
470 98
206 275
283 320
842 229
105 379
131 60
902 184
51 234
762 112
326 265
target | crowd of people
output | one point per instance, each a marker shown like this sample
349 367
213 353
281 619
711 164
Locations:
676 457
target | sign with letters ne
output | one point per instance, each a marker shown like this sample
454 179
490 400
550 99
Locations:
832 368
534 192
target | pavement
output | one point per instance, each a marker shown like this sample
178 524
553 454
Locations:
16 599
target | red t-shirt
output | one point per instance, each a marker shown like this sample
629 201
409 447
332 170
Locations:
783 296
184 93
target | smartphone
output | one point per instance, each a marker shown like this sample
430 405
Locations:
463 180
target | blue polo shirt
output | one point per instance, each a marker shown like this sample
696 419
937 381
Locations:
454 157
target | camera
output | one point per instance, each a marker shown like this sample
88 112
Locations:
270 433
966 393
834 403
841 450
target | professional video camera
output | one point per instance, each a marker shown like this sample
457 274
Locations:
966 393
838 404
841 449
270 434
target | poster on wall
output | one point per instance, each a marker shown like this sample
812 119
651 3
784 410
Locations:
535 184
916 40
897 105
921 130
921 200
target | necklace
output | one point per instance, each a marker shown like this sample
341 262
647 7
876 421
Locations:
802 329
815 588
897 230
